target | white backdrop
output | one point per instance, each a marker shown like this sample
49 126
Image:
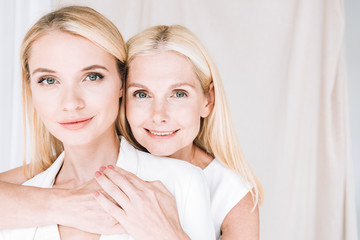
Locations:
283 69
352 35
16 17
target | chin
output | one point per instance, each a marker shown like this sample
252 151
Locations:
75 142
75 139
160 152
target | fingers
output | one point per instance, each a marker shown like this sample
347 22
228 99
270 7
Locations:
159 185
112 188
127 189
135 180
110 207
148 206
123 179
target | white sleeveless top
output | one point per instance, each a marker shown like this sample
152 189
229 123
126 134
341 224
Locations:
226 189
186 182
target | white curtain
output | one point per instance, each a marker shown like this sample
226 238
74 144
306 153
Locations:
283 69
16 17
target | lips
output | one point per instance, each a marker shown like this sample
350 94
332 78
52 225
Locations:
75 124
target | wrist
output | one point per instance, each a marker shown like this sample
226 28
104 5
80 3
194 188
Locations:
55 206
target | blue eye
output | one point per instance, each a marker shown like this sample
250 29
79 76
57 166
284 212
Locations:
140 95
47 80
180 94
94 77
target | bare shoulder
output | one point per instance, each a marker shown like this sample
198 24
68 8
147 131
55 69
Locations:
242 222
15 176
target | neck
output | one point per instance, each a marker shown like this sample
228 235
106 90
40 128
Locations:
194 155
187 153
81 162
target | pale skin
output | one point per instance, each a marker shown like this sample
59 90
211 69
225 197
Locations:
240 223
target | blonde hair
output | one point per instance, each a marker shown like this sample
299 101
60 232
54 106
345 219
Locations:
80 21
217 133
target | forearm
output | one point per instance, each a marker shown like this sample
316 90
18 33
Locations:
23 206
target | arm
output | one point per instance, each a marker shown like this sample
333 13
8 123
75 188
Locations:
21 206
24 206
241 222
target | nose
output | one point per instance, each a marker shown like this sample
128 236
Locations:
72 99
159 111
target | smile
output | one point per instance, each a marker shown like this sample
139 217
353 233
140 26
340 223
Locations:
162 133
75 124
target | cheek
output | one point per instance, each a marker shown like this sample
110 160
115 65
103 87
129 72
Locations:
135 113
189 114
44 105
108 104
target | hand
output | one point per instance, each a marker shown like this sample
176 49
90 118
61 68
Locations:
146 210
77 208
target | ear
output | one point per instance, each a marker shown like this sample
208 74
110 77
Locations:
209 102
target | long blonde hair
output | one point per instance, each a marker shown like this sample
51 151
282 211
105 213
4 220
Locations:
80 21
217 133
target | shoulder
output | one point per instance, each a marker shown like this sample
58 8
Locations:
178 176
154 165
46 178
165 168
227 189
171 164
221 177
15 176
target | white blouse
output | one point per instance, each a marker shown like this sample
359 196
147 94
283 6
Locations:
186 182
227 188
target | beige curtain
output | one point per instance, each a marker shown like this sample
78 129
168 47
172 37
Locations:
283 69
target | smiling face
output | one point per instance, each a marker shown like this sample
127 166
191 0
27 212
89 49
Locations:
75 87
164 103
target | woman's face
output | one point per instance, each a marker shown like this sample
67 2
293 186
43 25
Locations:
164 103
75 87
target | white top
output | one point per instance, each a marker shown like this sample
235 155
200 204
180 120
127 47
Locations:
227 188
186 182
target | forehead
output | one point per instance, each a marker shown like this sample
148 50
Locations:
58 48
163 65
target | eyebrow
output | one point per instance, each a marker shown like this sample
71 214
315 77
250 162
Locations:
92 67
42 70
176 85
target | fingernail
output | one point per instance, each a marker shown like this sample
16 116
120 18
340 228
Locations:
102 169
97 174
111 166
96 193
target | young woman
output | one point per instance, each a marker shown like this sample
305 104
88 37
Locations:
176 106
72 63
